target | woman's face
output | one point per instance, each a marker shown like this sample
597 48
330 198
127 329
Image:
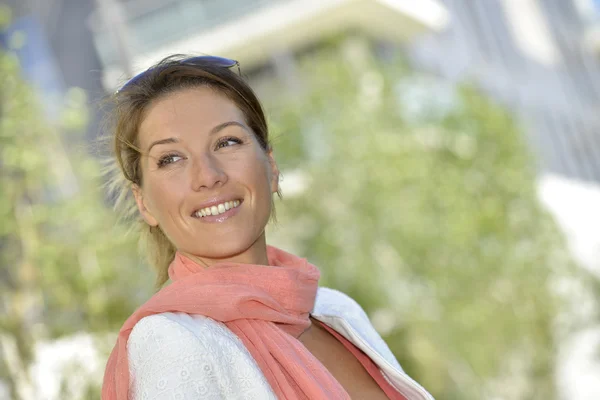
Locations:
206 182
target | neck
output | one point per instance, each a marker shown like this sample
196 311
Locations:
255 254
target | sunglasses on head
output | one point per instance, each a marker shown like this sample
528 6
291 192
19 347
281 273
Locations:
213 61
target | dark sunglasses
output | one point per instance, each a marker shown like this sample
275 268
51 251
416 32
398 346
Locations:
212 61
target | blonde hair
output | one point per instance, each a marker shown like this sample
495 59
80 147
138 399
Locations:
128 111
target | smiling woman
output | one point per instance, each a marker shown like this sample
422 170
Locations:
199 155
239 319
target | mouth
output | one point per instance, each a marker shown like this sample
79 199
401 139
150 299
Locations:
217 209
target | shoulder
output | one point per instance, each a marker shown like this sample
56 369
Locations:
176 354
171 333
161 329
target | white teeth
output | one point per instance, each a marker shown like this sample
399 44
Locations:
217 209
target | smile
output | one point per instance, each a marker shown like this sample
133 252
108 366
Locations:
217 209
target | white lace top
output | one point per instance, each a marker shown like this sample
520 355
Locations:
181 356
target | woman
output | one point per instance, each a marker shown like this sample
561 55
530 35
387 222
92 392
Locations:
240 319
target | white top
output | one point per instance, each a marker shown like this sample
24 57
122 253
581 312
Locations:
181 356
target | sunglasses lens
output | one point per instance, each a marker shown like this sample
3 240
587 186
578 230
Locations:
201 60
211 60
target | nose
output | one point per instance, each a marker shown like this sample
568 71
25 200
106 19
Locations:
207 173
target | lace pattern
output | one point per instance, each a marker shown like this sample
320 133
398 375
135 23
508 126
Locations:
181 356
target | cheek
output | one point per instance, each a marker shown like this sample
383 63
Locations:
258 172
261 176
253 173
164 195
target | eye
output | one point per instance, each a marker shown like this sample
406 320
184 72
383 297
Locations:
168 159
228 141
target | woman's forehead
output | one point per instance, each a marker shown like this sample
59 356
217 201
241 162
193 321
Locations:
189 110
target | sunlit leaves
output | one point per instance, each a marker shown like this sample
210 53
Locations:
424 210
65 264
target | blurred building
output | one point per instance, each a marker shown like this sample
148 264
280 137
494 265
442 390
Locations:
541 58
57 51
260 33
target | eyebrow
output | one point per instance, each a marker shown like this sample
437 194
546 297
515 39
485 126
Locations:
224 125
213 131
162 141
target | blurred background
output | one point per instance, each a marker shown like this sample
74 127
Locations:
440 161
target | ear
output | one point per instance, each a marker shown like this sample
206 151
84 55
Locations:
141 205
274 172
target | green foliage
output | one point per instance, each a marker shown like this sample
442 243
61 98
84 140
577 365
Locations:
421 205
66 265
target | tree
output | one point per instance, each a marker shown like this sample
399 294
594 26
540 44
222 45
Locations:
66 264
420 203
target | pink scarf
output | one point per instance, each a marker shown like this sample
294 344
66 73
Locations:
267 307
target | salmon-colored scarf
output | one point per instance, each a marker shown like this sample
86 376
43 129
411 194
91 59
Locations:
267 307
